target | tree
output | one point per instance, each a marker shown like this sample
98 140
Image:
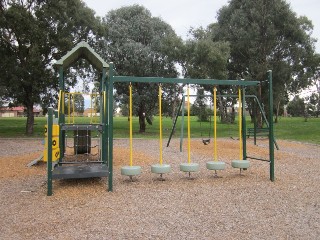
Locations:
140 45
314 105
33 34
315 80
200 106
205 57
267 34
296 107
78 103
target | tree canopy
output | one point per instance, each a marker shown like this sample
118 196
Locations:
296 107
33 34
267 34
140 45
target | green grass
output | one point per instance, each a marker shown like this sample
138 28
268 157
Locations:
287 128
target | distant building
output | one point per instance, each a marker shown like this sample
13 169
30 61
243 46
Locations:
17 112
90 112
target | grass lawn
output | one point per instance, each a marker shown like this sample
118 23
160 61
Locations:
287 128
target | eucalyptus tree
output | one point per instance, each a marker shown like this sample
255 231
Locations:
267 34
296 107
140 45
34 34
204 57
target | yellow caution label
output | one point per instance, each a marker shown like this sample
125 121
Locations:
55 154
55 130
55 142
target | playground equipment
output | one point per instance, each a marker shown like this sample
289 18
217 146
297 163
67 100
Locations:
241 163
83 163
189 166
103 164
215 164
206 141
250 131
160 168
130 170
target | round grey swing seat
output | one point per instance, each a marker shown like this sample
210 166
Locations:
189 167
131 170
160 168
215 165
243 164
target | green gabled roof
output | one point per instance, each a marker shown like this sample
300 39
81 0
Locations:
82 50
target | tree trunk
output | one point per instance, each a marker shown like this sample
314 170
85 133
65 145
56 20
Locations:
233 115
278 110
30 119
223 115
251 109
142 118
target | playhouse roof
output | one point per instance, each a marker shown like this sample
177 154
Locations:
82 50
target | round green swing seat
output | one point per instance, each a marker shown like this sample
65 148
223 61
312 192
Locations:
189 167
215 165
131 170
242 164
160 168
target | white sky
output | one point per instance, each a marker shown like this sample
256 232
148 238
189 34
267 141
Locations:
183 14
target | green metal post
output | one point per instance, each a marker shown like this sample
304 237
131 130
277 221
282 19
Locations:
255 122
102 144
182 122
110 127
61 119
61 79
103 117
49 151
244 124
271 135
106 117
174 123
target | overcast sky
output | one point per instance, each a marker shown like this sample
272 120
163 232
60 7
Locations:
182 14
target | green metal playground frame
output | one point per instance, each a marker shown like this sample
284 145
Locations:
108 78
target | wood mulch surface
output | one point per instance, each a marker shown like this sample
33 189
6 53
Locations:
233 206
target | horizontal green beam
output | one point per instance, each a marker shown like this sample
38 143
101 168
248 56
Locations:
221 95
184 80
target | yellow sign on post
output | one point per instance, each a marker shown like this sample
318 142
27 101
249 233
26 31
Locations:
55 143
55 130
55 154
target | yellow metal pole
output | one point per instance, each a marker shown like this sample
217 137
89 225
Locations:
215 123
189 141
69 104
240 125
63 102
72 109
130 121
91 109
160 122
93 97
59 99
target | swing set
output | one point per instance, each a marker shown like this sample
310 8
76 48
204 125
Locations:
206 141
103 165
